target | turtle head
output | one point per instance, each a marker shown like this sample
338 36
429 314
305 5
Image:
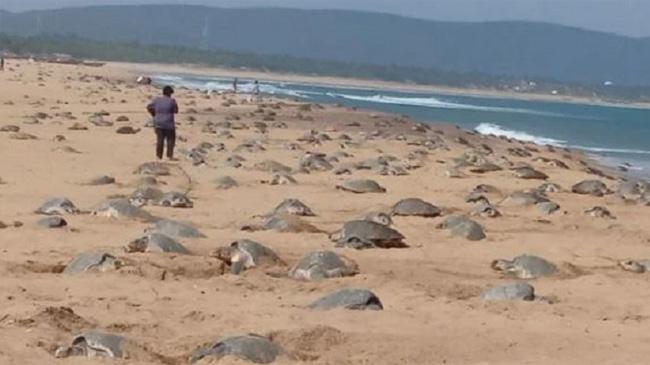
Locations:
501 265
224 254
137 245
633 266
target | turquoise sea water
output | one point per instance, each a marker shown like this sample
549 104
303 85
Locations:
615 135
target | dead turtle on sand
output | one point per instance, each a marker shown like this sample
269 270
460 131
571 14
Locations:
463 227
245 254
145 195
94 344
174 228
121 208
251 347
92 262
174 199
415 207
156 242
352 299
323 265
366 234
294 207
57 206
525 267
361 186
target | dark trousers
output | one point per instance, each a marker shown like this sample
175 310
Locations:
165 136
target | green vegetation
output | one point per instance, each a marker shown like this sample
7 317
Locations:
134 52
518 50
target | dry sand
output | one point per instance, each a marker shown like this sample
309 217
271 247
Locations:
433 313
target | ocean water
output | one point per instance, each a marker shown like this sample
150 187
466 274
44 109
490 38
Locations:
614 135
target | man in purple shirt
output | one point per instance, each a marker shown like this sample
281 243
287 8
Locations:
163 108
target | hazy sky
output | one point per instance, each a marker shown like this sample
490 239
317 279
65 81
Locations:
628 17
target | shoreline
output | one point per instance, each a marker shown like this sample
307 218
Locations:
594 159
326 81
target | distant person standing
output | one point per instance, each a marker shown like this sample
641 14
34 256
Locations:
234 85
2 63
163 109
256 88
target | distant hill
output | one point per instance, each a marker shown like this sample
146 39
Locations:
514 49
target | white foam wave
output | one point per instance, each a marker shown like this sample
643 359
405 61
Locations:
431 102
497 130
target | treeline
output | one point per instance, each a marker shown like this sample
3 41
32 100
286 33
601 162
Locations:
135 52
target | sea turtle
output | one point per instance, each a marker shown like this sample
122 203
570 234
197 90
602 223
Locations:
591 187
524 198
174 228
463 227
485 209
525 267
273 167
362 234
94 344
293 207
153 168
546 188
315 162
225 182
251 347
245 254
52 222
282 179
548 207
145 195
415 207
156 242
281 223
353 299
512 291
361 186
92 262
174 199
637 266
528 173
57 206
600 212
633 190
320 265
121 208
379 217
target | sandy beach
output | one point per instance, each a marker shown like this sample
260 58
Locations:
589 310
146 69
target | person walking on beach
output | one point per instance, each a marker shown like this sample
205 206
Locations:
234 85
2 63
163 109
